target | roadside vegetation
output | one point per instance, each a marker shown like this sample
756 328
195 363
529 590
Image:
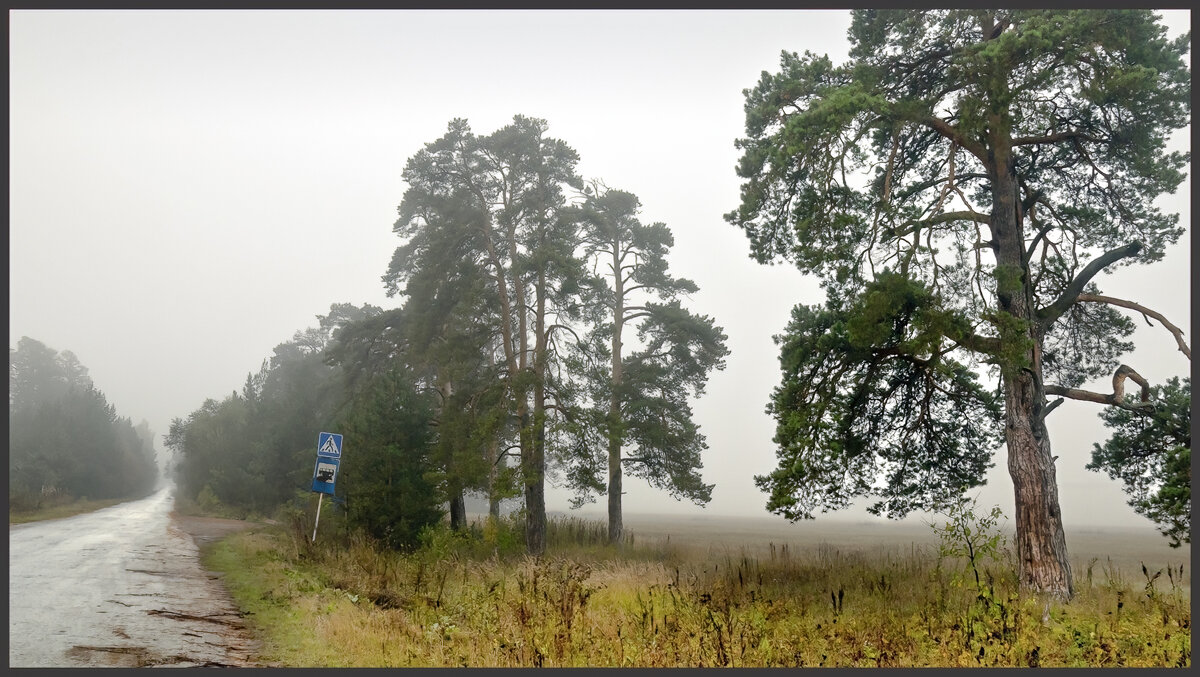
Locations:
58 510
473 598
538 334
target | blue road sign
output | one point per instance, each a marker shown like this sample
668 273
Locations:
325 474
329 445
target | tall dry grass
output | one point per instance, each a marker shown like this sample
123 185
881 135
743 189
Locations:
472 600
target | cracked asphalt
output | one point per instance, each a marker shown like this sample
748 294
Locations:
119 587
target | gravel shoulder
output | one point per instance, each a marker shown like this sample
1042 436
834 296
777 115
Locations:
203 531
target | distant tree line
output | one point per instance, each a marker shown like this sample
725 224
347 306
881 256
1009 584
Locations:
253 450
65 441
540 335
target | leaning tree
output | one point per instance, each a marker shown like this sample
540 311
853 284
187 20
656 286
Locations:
958 184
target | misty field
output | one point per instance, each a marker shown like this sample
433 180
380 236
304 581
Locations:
717 592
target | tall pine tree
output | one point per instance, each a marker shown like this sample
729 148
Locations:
958 185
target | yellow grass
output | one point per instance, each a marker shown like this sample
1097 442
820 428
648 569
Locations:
724 592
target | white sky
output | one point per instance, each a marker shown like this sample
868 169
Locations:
189 188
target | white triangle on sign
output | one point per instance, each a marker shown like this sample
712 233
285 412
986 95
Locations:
330 447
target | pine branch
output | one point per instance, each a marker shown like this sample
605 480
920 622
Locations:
945 129
1050 314
1053 138
1146 312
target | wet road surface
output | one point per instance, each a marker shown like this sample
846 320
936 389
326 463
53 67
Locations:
121 586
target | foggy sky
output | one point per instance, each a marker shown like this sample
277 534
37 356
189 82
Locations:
188 189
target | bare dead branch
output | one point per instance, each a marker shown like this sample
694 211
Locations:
1116 398
1146 312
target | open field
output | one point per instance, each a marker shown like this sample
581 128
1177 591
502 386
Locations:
1127 547
719 592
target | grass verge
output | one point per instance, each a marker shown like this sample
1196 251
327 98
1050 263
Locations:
61 511
461 601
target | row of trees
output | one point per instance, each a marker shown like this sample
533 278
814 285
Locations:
65 440
253 450
521 286
540 332
958 185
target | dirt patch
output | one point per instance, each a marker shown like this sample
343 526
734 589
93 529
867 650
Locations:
219 608
138 657
204 530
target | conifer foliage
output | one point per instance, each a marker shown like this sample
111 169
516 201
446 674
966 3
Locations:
65 441
958 185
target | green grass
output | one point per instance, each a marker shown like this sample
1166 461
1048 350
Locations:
470 600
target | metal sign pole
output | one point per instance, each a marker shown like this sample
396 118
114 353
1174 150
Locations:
319 497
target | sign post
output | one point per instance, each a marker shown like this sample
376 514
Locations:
329 455
319 497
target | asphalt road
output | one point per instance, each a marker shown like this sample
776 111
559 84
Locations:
118 587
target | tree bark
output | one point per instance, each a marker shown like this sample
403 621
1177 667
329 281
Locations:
458 511
615 523
458 504
493 477
1041 543
535 485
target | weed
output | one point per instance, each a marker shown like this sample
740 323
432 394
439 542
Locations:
462 600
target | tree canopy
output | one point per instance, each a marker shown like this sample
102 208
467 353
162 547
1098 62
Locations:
959 183
640 394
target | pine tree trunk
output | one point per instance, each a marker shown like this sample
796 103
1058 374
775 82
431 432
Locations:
493 472
535 481
615 525
458 504
535 515
1043 565
1041 542
458 511
535 498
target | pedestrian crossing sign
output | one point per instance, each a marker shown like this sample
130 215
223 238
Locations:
329 445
